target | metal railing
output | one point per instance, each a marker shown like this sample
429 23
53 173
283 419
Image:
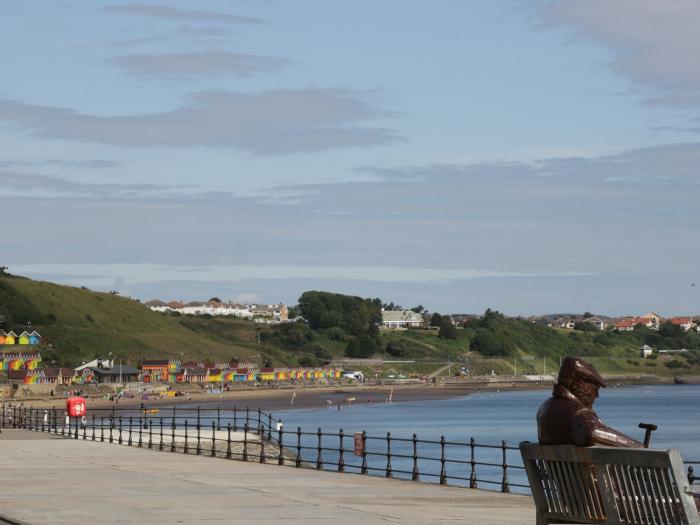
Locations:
254 435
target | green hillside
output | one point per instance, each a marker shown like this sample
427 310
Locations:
78 324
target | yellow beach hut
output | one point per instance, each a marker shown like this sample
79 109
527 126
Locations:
10 338
23 338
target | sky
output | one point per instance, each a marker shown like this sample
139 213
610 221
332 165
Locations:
524 155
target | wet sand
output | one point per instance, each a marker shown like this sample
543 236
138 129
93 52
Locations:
269 399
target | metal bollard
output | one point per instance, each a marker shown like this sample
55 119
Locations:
443 471
415 476
388 455
504 482
341 458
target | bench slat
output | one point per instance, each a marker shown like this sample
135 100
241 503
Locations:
608 485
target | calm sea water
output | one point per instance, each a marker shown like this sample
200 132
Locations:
495 416
489 418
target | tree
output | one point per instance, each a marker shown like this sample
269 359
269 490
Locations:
436 320
587 314
3 270
355 315
490 344
215 300
447 329
418 309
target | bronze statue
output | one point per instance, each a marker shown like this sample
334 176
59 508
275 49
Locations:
567 418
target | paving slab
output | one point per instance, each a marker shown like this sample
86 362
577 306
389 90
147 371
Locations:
62 481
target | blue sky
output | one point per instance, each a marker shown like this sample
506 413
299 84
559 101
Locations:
529 156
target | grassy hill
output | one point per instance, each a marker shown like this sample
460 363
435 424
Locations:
78 324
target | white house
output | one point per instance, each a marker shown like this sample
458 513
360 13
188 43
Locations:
645 351
401 319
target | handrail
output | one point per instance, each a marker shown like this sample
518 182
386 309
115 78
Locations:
254 435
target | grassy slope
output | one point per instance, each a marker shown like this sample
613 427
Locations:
81 324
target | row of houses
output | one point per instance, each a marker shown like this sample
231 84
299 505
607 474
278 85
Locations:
649 320
173 371
19 360
273 312
25 338
168 371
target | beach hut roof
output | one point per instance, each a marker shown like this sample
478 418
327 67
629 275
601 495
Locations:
154 362
16 374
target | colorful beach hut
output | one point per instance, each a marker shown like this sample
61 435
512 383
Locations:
23 338
34 338
10 338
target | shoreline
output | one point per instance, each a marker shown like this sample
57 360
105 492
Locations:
319 396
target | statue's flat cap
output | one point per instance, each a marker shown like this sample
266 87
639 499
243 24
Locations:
572 367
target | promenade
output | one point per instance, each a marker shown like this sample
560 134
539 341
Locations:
48 479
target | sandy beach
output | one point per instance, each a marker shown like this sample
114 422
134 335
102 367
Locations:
284 398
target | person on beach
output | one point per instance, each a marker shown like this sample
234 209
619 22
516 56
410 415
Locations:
568 418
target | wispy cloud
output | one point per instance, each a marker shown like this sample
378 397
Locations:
267 123
166 12
653 44
205 63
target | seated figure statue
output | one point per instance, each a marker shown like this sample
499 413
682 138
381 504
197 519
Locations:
567 418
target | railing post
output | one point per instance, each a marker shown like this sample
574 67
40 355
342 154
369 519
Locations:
218 418
84 425
111 428
416 475
150 435
261 437
297 462
199 435
443 471
363 470
228 441
102 429
388 455
280 443
120 430
213 438
247 416
472 462
691 475
142 422
160 444
504 481
187 438
319 451
269 427
131 428
259 419
93 427
245 441
341 459
235 419
172 434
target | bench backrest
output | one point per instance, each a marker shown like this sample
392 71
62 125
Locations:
608 485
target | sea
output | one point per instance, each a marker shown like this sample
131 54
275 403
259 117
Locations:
490 418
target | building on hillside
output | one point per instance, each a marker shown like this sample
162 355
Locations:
597 322
645 351
625 325
158 306
115 374
154 370
649 322
401 319
275 312
98 362
9 338
685 323
655 318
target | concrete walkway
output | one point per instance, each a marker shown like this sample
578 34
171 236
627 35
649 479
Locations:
61 481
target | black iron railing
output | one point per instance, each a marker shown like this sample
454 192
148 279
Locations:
254 435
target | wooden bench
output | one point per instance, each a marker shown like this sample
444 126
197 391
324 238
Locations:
608 485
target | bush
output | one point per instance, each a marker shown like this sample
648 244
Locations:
675 363
491 344
336 333
89 318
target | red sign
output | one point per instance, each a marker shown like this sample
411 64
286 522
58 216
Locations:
359 444
76 407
